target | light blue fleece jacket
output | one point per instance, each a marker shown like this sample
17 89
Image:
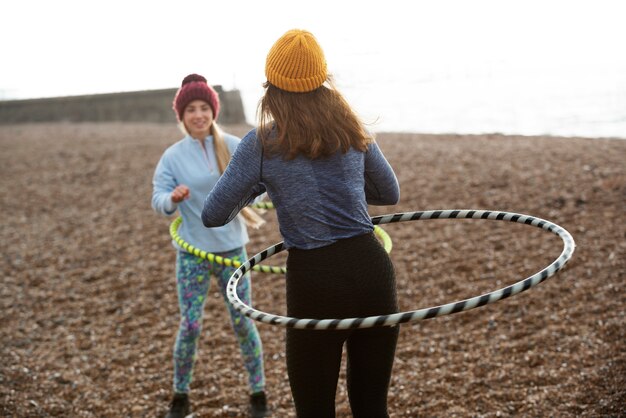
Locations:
185 162
318 202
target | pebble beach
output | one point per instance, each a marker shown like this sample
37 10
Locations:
88 306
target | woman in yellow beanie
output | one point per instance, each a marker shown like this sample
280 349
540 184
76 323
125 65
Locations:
321 169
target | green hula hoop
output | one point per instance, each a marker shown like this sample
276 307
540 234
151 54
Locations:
380 233
263 205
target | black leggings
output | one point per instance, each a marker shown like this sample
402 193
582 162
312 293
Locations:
353 277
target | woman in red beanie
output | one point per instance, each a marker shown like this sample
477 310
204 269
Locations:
185 174
321 169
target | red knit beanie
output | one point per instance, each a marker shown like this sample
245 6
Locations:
195 87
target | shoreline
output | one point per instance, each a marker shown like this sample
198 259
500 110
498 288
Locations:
499 134
243 128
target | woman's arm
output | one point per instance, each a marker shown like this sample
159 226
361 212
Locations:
238 186
381 184
163 183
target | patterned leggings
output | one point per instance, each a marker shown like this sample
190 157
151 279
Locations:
193 280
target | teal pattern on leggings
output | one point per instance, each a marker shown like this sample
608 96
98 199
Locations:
193 282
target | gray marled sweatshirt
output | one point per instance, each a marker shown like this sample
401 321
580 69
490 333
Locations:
318 202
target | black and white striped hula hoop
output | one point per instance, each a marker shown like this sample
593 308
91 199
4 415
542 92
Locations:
420 314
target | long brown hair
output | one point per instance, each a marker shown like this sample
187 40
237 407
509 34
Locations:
314 124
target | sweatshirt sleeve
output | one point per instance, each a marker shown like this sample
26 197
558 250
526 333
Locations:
381 184
238 186
163 182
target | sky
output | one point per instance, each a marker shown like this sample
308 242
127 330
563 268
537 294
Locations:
67 47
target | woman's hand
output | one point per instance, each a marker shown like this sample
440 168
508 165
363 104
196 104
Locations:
180 193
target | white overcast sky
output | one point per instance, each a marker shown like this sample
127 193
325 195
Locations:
67 47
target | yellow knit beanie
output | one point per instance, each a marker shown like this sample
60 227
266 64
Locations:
296 62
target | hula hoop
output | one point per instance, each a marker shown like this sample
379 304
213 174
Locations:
384 237
420 314
263 205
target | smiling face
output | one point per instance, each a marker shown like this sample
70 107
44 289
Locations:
198 118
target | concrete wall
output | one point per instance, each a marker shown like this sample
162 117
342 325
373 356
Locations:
137 106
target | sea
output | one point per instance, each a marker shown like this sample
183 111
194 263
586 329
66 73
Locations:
513 100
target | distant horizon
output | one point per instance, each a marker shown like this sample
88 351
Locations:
250 121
